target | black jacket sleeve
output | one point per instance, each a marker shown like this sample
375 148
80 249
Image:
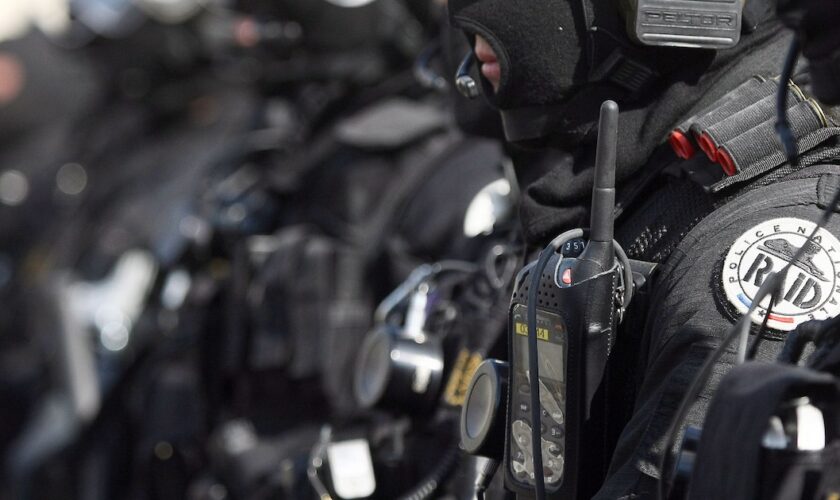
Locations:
690 312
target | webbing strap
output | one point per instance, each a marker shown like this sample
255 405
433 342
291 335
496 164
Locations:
749 117
743 93
756 143
776 158
743 97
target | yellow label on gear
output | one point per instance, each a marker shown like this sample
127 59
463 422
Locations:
459 381
522 329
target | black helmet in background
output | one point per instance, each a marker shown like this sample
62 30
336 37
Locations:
338 25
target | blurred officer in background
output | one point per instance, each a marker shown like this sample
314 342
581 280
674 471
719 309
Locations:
282 164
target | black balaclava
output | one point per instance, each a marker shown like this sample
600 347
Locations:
539 45
554 80
560 59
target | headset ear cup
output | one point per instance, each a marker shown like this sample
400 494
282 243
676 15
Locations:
705 24
627 10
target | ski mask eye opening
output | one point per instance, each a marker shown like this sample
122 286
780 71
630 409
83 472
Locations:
539 45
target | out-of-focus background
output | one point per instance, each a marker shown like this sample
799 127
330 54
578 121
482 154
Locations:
202 205
18 18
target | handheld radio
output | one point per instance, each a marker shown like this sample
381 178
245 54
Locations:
563 316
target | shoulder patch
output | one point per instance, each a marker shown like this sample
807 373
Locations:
810 289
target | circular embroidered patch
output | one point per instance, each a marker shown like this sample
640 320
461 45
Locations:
810 289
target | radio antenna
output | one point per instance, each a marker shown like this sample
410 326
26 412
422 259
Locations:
603 192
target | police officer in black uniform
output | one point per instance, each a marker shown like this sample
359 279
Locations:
716 222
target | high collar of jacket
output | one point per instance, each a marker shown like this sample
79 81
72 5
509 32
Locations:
558 199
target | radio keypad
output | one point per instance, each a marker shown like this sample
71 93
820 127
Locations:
552 399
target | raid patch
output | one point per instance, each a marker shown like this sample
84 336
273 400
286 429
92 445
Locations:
810 289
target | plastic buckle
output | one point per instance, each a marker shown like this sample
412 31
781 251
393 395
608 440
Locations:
627 73
689 23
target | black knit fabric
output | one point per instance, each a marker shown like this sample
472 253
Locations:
538 43
664 219
559 200
551 51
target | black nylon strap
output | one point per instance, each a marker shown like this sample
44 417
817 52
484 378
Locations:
742 98
760 141
777 158
740 93
747 118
